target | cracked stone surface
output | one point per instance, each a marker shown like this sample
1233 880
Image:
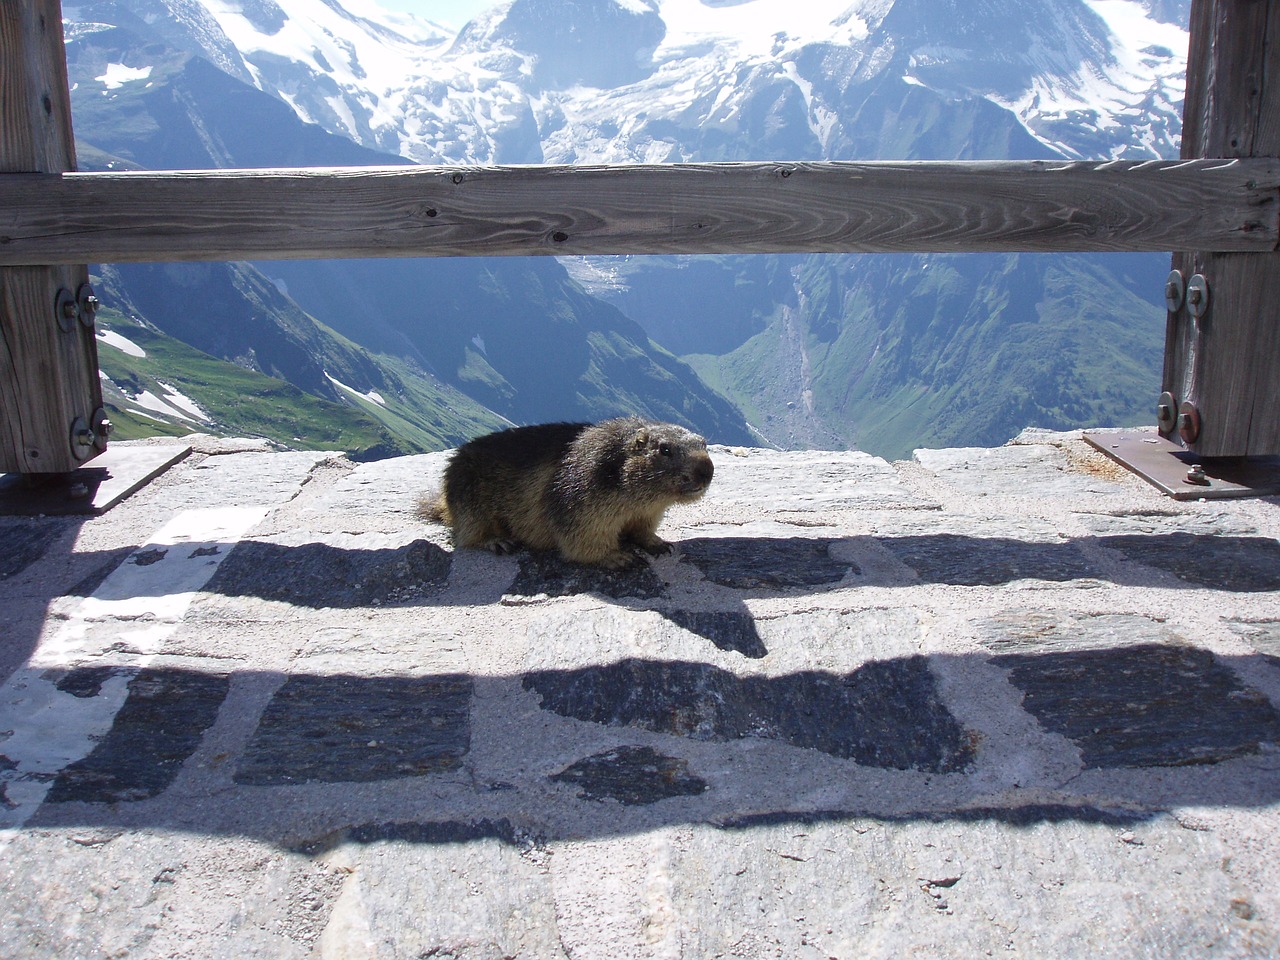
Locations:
1003 702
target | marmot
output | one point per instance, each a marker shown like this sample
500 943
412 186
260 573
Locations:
589 491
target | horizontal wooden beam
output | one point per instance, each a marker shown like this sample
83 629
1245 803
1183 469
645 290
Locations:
833 207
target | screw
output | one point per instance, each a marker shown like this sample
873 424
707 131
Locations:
70 309
1196 476
1194 296
85 437
1166 412
1188 422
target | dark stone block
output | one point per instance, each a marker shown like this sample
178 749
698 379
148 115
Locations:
1238 564
765 562
320 575
545 572
884 714
632 776
728 630
1147 705
24 544
159 726
977 561
336 729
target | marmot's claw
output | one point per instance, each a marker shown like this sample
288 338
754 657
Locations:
618 561
655 547
502 547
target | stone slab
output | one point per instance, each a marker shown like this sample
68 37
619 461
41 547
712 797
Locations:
1017 470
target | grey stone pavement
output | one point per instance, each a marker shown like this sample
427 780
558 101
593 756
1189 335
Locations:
1001 702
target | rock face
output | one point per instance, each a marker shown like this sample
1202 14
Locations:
981 701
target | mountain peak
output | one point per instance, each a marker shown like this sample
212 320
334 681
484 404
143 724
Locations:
594 43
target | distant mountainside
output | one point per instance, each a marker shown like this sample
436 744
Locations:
883 353
154 384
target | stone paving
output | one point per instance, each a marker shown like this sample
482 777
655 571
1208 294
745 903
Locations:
989 702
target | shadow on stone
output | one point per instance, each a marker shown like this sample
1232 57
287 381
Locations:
25 542
765 562
1149 705
977 561
632 776
1237 564
320 575
545 573
884 714
160 725
1126 708
730 630
345 729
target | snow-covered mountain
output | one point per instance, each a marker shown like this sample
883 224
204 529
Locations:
566 81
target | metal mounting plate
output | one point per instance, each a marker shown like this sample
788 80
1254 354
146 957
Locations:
1165 465
91 489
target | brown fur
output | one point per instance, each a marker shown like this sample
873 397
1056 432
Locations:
588 491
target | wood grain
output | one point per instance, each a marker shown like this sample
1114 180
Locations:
48 375
834 207
1226 364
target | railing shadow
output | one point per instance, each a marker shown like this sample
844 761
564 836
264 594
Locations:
665 742
318 575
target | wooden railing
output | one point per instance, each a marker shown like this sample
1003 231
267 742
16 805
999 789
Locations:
1221 214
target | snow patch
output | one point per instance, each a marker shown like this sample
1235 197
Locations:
175 398
117 75
372 396
120 342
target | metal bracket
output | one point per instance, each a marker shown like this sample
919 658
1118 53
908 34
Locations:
91 489
1183 475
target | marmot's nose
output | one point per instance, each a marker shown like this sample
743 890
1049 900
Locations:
702 470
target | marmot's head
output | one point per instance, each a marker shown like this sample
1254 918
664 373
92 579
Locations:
667 460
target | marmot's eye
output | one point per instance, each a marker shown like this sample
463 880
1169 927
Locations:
664 449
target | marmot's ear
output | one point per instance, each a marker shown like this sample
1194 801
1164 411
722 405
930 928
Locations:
641 439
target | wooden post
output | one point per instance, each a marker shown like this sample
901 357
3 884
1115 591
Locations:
51 417
1222 368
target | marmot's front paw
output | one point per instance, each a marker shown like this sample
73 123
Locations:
619 561
503 546
655 546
